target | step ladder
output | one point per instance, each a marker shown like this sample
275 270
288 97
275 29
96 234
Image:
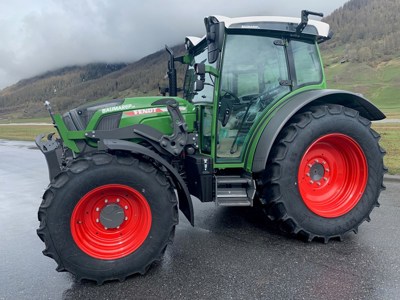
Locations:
234 191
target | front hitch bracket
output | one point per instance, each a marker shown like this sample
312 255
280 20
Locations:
51 150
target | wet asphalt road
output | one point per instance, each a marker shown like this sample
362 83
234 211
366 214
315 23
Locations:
232 253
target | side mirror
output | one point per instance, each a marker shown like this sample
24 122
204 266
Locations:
200 69
215 37
199 85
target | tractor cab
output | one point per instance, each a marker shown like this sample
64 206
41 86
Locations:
244 67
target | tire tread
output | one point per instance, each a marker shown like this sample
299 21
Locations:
274 207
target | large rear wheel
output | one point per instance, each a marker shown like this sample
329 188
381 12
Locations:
325 173
107 217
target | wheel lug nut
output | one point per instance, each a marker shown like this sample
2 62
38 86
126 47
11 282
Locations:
97 209
327 170
97 221
118 200
126 218
317 161
309 165
326 179
117 227
105 228
105 201
126 206
319 183
308 174
311 181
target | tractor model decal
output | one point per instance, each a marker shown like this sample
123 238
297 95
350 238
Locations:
117 108
152 110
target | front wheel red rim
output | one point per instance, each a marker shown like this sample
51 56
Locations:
111 221
332 175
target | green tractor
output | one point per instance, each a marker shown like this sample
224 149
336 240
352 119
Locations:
255 126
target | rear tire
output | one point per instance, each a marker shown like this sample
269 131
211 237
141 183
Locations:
325 173
107 217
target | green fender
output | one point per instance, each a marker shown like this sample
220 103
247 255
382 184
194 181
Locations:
293 104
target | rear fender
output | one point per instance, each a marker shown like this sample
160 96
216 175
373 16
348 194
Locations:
295 104
185 201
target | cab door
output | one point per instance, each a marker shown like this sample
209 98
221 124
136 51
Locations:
254 76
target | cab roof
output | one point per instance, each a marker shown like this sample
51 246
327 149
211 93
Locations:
257 22
320 30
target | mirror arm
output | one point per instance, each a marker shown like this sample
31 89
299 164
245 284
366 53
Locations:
173 91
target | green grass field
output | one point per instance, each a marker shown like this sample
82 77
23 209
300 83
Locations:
379 83
23 132
31 120
390 137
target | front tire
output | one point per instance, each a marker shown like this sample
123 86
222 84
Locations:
325 173
107 217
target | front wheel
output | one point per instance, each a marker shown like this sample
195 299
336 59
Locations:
107 217
325 173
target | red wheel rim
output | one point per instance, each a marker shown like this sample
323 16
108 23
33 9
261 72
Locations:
131 221
332 175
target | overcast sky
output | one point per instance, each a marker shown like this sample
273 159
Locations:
37 36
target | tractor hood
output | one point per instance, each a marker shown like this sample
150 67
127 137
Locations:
125 112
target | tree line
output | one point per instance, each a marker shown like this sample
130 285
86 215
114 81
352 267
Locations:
368 30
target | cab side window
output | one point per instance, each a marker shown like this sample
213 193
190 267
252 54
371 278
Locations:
306 62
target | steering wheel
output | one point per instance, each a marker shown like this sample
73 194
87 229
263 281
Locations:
267 96
262 100
226 92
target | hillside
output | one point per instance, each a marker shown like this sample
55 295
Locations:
364 54
71 86
365 31
24 96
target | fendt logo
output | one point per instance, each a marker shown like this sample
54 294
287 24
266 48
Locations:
145 111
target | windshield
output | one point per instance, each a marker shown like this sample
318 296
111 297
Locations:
205 95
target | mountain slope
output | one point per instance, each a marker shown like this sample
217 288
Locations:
366 30
68 87
364 54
